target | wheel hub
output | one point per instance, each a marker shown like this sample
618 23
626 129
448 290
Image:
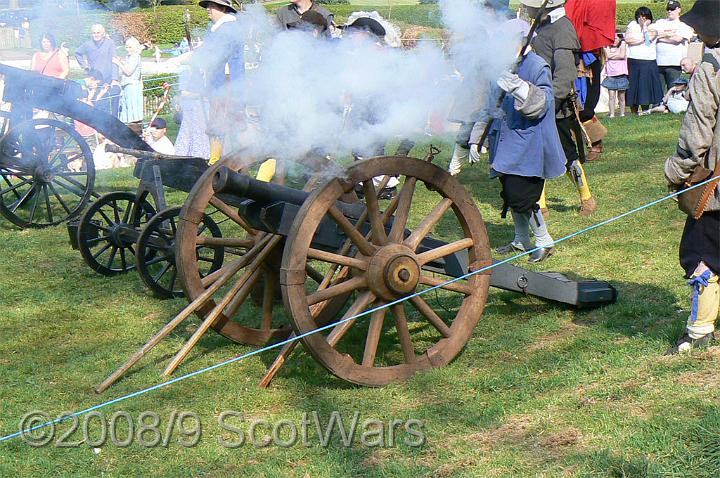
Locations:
116 235
393 272
44 175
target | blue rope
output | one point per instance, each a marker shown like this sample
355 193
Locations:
331 325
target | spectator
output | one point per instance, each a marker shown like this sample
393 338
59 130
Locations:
672 43
156 137
674 101
557 43
24 33
98 54
616 69
688 65
131 100
50 60
645 88
698 146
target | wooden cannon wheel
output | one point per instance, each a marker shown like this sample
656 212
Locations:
252 257
46 173
156 250
101 237
385 268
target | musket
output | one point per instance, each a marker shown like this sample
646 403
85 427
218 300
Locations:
515 66
186 24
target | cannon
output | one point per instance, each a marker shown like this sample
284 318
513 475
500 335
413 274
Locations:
123 231
46 167
328 257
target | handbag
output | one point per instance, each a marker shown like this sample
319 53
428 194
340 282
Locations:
694 201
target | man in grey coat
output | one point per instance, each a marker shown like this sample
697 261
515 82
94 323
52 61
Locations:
699 145
557 43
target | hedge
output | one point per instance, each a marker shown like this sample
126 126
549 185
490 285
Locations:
165 24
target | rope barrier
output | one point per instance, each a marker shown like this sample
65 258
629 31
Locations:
334 324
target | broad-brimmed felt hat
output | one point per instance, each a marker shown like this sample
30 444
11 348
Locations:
224 3
538 3
368 24
704 17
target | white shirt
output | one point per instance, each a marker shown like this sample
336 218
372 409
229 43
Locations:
641 51
162 146
669 54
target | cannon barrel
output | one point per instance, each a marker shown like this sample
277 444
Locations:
139 153
226 181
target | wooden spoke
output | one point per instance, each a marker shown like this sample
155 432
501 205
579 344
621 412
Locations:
33 208
337 333
424 228
373 336
59 198
13 187
250 282
403 332
231 213
351 232
445 250
70 187
336 290
457 286
430 315
267 302
379 236
337 259
403 210
314 274
224 241
22 200
48 208
71 181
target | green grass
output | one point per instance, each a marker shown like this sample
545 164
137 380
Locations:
540 390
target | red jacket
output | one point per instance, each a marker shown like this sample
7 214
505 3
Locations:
594 21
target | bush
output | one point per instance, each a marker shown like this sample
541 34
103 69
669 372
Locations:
626 11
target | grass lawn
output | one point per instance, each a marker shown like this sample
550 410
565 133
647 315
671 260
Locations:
540 390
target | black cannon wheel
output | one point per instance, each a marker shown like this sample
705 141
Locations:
101 239
156 249
46 173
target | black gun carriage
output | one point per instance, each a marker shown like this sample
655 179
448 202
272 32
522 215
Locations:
47 172
326 257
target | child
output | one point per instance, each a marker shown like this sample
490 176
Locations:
674 100
156 137
617 74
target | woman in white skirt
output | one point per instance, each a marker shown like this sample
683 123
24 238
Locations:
131 101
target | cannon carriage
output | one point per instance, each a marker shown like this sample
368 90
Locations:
353 279
47 172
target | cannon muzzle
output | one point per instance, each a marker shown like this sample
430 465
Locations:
241 185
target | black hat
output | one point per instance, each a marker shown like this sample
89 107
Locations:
158 123
672 5
368 24
704 18
224 3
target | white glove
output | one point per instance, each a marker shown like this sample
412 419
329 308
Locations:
474 156
511 83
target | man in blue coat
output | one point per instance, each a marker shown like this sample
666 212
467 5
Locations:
525 150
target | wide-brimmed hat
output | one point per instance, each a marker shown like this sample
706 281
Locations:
224 3
367 24
538 3
704 17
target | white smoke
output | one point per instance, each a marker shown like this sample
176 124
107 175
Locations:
353 95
